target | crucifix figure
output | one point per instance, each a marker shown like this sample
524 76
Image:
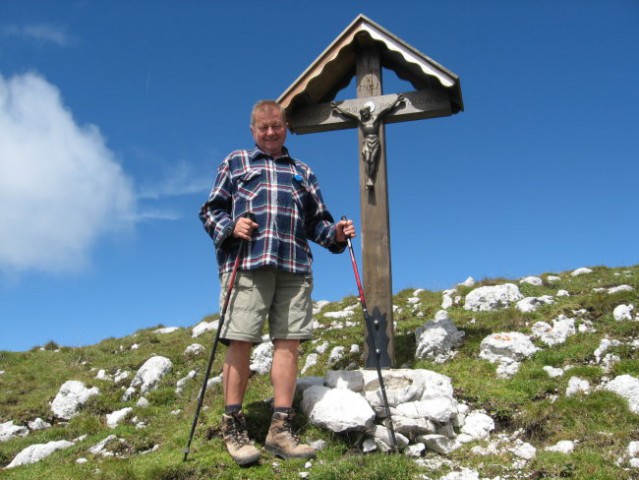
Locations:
369 123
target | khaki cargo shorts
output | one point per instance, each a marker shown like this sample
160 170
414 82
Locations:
267 293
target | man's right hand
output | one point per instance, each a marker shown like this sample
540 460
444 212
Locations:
244 228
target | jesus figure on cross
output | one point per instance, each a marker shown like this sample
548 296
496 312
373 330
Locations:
369 122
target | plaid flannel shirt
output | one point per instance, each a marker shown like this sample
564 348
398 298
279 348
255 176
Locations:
284 196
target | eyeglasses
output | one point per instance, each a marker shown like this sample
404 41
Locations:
276 127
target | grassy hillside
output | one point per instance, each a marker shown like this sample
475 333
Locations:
531 402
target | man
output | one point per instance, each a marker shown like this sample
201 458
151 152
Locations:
285 209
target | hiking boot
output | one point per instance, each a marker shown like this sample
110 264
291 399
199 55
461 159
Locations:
236 439
282 441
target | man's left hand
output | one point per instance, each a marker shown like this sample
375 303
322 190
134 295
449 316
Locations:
344 229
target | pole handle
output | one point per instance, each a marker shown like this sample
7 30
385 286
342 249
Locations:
348 239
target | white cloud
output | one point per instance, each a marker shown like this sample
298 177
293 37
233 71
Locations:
41 32
61 188
176 180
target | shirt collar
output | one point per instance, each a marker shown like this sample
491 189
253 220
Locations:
257 153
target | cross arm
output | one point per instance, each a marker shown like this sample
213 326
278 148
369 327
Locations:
417 105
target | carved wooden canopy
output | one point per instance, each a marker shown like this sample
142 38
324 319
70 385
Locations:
306 101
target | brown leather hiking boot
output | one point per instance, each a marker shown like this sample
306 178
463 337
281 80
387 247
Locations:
282 441
236 439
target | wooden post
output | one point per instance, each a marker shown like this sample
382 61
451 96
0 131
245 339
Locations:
375 228
311 108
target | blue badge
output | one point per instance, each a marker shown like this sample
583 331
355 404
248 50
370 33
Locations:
298 178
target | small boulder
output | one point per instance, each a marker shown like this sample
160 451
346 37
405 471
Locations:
8 430
35 453
488 298
337 409
70 398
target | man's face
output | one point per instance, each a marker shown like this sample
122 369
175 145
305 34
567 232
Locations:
269 131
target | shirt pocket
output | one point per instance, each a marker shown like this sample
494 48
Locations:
249 185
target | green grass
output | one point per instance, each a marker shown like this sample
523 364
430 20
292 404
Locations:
530 405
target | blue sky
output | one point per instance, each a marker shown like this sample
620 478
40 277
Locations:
114 116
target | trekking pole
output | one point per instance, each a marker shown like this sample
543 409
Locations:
227 298
370 325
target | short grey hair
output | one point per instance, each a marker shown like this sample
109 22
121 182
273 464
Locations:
265 105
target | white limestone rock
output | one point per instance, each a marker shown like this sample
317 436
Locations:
120 376
148 376
509 345
440 409
530 304
577 385
406 385
351 380
553 372
262 358
524 451
382 434
447 298
581 271
38 424
604 345
317 306
463 474
562 328
438 443
311 361
100 447
627 387
507 368
623 312
321 348
35 453
306 382
477 426
337 353
338 410
369 445
70 398
203 327
194 349
489 298
115 418
620 288
415 450
532 281
342 314
410 427
564 446
437 338
469 282
8 431
181 383
166 330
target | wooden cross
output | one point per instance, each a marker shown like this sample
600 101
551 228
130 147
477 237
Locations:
310 110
